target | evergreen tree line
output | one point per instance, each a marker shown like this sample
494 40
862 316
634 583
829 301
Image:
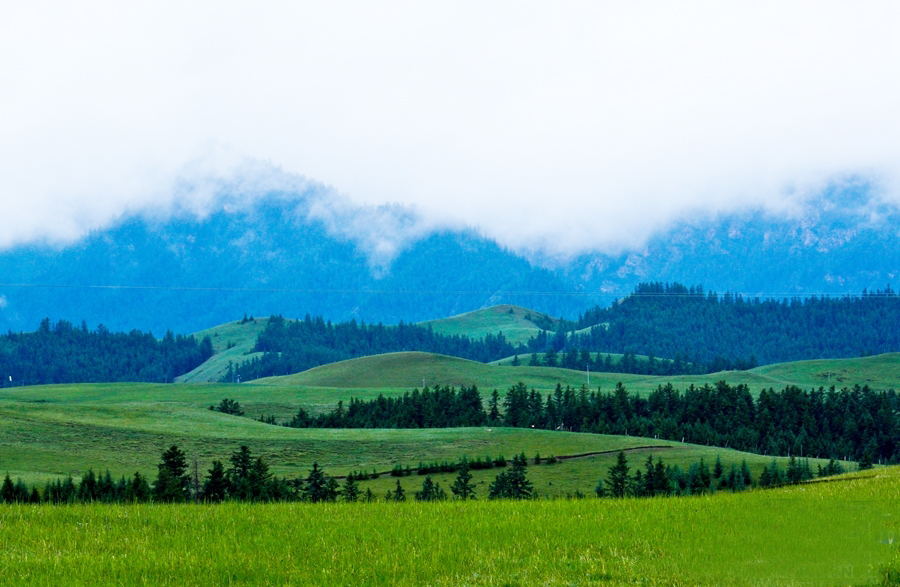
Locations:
63 353
851 424
657 479
671 320
582 360
292 346
248 479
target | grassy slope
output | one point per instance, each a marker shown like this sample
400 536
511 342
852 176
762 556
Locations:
835 533
241 338
878 371
516 323
59 430
409 369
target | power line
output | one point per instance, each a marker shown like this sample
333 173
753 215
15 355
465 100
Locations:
594 293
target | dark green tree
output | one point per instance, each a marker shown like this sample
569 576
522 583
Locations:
617 478
172 482
215 486
399 494
228 406
350 491
462 487
514 483
431 491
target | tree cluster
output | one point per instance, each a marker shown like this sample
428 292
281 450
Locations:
292 346
852 424
656 479
63 353
721 331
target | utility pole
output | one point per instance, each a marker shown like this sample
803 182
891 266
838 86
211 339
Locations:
588 367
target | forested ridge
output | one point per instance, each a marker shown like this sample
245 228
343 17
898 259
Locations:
671 320
292 346
682 330
248 479
64 353
851 424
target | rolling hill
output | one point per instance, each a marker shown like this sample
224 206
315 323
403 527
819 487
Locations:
52 431
413 369
517 324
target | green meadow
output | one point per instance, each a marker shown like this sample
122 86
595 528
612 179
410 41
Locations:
842 532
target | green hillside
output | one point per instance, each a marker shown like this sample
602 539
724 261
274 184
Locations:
232 342
516 323
411 369
878 371
64 430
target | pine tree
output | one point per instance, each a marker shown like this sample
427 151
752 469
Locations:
87 488
171 481
512 484
618 476
462 487
8 490
138 489
350 490
399 494
745 473
260 480
494 408
718 470
315 488
215 486
431 491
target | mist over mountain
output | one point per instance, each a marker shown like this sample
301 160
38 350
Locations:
293 254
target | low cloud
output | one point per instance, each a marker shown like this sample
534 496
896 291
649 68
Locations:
555 128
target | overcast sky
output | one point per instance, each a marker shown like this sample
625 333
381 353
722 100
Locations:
568 125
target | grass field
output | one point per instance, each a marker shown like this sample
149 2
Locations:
834 533
516 323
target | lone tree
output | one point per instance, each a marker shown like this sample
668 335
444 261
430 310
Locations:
172 482
462 487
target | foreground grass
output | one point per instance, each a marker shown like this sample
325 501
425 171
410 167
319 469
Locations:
823 533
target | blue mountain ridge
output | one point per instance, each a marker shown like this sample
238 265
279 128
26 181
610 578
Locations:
272 258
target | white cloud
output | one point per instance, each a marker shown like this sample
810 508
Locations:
559 126
3 302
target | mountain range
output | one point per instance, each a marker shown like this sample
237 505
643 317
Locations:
296 253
